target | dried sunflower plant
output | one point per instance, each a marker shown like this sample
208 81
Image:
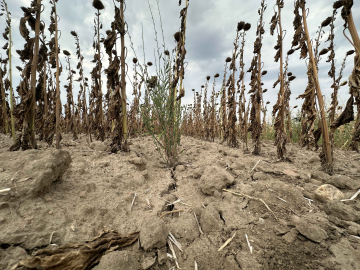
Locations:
279 107
82 100
25 111
244 27
7 84
302 41
54 61
117 112
348 113
354 78
288 77
231 132
97 123
70 106
41 94
256 86
212 111
223 103
206 119
4 112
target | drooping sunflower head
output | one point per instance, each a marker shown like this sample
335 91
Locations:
98 4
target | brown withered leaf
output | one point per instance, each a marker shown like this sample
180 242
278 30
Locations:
354 78
304 51
326 22
277 56
109 42
181 94
257 45
24 32
274 21
346 116
324 51
345 12
276 83
355 139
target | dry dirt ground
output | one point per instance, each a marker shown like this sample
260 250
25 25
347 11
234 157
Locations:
92 191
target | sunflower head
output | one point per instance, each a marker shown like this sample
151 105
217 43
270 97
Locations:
98 4
66 52
247 26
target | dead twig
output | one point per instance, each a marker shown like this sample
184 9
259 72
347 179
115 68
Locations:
176 243
51 237
227 242
173 254
281 199
5 190
308 201
355 195
171 212
23 180
146 191
133 202
197 222
252 198
352 197
255 166
247 240
4 203
149 205
178 201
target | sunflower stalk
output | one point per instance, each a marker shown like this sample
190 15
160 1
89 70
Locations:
8 37
123 82
288 77
25 111
242 100
57 96
70 113
326 154
223 111
279 107
206 119
83 84
98 122
354 78
4 106
33 75
213 111
183 15
256 86
232 119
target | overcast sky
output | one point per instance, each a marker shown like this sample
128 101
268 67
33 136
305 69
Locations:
211 30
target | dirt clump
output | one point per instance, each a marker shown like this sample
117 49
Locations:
31 173
153 233
11 256
342 211
343 182
98 146
118 260
326 193
311 231
210 220
214 179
